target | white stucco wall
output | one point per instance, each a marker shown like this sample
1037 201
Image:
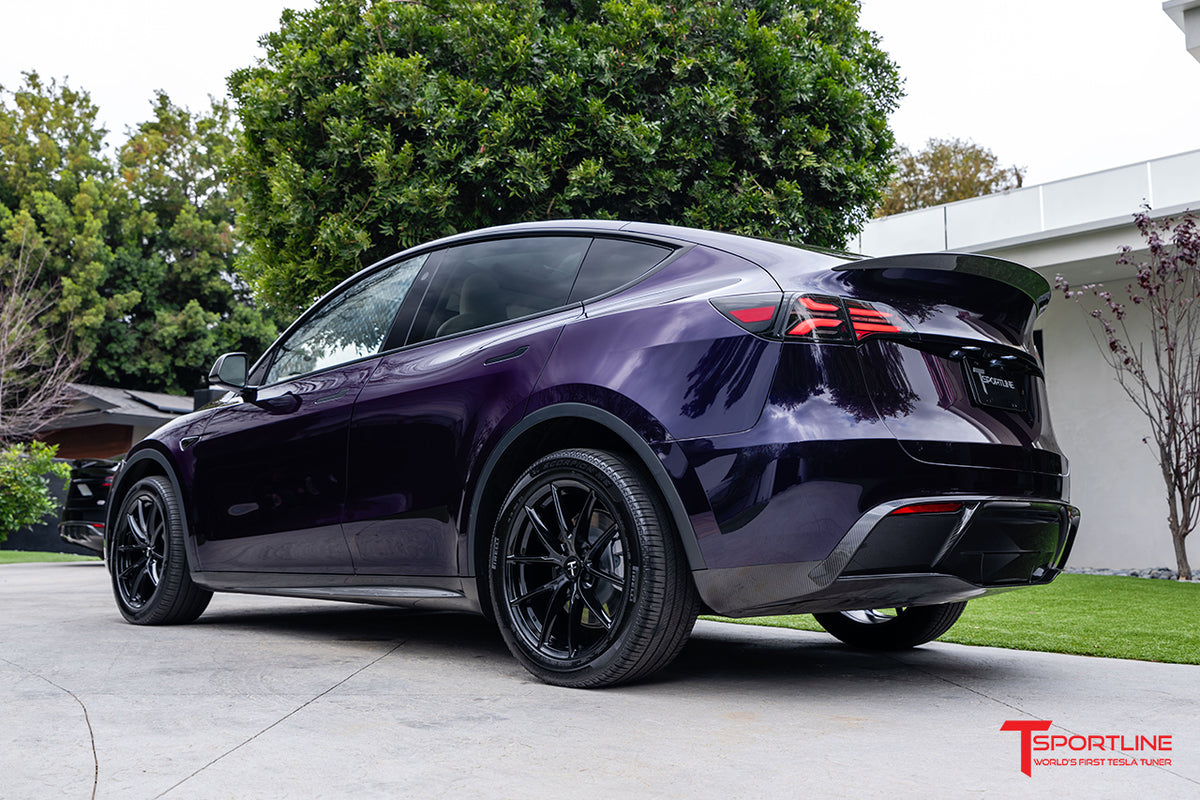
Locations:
1115 479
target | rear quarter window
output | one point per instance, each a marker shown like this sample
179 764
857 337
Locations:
612 263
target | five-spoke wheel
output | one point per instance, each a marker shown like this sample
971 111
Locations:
148 560
588 582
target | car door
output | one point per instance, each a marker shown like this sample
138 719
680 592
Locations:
425 417
270 468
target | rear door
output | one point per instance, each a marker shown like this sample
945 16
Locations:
428 414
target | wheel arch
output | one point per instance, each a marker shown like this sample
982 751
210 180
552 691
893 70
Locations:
149 460
552 428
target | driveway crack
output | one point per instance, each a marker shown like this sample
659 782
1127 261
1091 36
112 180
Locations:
86 719
282 719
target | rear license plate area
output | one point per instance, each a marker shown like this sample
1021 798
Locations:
997 387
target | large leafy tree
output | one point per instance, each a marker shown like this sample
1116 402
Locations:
945 170
177 256
58 196
374 125
138 250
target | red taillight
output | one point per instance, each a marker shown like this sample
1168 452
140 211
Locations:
929 508
840 319
807 326
869 318
753 312
817 319
813 318
757 314
816 305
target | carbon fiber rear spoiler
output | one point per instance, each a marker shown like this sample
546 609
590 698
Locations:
1011 273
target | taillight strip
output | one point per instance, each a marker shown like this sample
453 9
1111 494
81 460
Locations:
815 305
929 508
759 314
807 326
813 318
869 312
867 328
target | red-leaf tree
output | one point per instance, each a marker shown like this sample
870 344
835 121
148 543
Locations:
1158 365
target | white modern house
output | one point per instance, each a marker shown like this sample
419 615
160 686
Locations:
1186 14
1075 228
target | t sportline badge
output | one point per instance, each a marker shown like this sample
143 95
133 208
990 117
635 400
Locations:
988 380
997 387
1112 750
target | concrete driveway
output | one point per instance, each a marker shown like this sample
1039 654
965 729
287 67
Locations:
266 698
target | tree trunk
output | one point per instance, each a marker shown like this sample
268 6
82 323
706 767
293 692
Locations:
1181 559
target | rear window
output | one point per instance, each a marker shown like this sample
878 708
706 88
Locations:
485 283
612 263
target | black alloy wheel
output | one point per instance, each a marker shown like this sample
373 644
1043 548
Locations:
891 628
148 560
588 580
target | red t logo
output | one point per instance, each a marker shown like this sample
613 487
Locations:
1026 727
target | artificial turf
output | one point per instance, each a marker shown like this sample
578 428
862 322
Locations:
1093 615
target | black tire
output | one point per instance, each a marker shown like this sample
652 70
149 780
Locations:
147 559
891 629
589 584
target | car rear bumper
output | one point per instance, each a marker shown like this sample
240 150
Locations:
887 559
83 534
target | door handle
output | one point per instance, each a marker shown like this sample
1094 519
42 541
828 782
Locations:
331 397
520 351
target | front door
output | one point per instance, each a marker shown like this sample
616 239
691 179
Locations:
271 475
270 468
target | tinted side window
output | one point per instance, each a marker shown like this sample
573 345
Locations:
613 262
348 326
488 282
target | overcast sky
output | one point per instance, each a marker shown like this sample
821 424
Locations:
1060 87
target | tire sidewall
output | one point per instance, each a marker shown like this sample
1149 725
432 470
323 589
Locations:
158 606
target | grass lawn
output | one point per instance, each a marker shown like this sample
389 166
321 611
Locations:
1093 615
26 557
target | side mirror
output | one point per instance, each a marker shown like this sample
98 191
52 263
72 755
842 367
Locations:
230 372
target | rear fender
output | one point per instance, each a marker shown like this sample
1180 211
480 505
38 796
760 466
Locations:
663 462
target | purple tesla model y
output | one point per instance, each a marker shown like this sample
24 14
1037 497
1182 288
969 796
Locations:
594 431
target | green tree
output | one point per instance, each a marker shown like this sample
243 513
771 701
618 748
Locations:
25 486
945 171
177 255
374 125
58 193
142 246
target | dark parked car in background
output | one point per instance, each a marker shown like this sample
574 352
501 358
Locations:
86 506
593 431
